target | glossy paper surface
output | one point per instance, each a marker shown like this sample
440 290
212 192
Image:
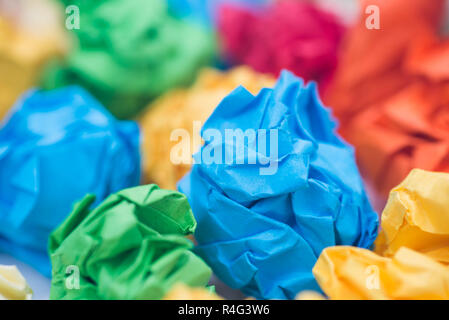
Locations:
54 148
132 246
261 226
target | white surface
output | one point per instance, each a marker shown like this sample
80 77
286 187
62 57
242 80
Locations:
38 283
347 10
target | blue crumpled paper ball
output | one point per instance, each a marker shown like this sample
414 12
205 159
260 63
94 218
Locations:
206 11
262 224
55 147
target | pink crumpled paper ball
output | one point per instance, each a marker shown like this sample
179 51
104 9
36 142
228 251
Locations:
293 35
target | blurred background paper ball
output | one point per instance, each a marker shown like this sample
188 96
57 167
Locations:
393 104
127 52
295 35
55 147
179 109
31 33
206 11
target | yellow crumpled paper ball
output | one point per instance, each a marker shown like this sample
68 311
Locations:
13 285
182 292
31 32
417 216
173 115
412 250
309 295
354 273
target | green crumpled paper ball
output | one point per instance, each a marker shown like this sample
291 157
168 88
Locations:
127 52
132 246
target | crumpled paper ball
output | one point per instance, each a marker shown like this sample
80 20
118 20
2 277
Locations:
55 147
417 216
392 103
132 246
408 130
266 209
354 273
31 33
130 52
178 110
412 252
367 73
293 35
182 292
13 285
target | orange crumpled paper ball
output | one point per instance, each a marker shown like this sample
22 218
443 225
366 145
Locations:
391 92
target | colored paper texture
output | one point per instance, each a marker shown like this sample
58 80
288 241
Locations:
13 285
171 125
349 273
55 147
132 246
417 216
293 35
182 292
31 33
412 252
391 92
266 209
129 52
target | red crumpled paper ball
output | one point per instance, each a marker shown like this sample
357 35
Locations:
293 35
